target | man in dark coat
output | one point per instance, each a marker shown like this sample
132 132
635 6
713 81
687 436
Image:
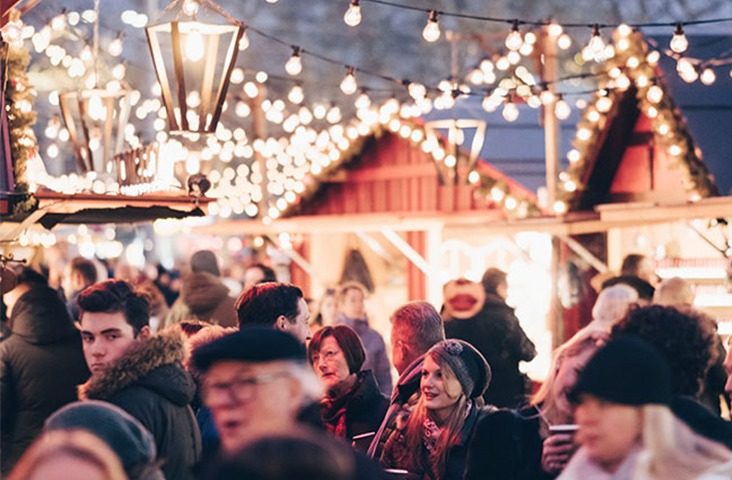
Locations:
140 373
415 328
41 364
496 333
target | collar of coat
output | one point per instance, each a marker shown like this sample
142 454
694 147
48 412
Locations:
142 358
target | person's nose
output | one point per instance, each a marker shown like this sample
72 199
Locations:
97 349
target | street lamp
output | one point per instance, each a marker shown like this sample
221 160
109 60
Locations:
194 46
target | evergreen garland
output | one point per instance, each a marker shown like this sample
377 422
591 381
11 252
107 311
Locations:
19 95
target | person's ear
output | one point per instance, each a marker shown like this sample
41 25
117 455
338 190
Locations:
281 323
144 333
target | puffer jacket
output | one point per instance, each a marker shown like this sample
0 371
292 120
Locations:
149 383
41 364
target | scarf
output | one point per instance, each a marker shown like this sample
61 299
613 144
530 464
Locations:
333 410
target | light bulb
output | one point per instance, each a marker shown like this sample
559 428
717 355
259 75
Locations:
564 41
115 47
596 45
514 39
562 110
431 31
554 29
97 110
708 76
546 96
363 101
416 90
624 30
654 94
244 41
190 7
349 85
510 112
352 16
296 95
679 43
294 64
194 46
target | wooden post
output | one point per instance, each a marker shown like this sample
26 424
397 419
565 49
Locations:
259 127
551 151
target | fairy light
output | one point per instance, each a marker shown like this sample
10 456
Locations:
294 64
349 85
431 32
564 41
562 110
296 95
554 30
362 101
510 111
244 41
654 94
679 42
596 45
514 40
708 76
352 17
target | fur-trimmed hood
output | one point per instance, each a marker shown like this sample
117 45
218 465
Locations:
154 363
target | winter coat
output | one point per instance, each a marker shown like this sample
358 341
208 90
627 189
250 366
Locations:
403 398
455 463
203 297
701 420
360 410
507 445
149 382
496 333
373 343
41 364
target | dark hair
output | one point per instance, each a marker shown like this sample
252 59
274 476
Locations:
421 322
492 278
299 455
685 338
263 303
269 274
347 340
30 277
112 296
631 264
86 269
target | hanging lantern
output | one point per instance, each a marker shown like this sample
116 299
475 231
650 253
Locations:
96 121
194 46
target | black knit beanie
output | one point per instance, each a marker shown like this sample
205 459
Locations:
627 371
468 364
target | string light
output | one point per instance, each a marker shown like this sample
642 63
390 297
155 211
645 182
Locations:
654 94
510 111
554 30
431 32
679 43
349 85
708 76
296 94
244 41
294 64
596 45
564 41
562 110
352 16
514 39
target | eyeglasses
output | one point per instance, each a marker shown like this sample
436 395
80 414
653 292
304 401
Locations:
239 388
325 356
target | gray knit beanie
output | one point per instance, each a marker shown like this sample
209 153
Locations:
468 364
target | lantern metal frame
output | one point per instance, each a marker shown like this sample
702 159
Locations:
178 21
78 119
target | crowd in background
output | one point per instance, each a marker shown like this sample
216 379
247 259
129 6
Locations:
122 374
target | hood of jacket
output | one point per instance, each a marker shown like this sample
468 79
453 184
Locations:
154 363
202 292
41 317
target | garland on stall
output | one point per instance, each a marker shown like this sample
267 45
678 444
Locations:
19 95
634 64
494 190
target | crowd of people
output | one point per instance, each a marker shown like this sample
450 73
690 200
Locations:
131 378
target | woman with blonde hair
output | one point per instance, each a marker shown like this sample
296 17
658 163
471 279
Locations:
432 442
63 454
626 428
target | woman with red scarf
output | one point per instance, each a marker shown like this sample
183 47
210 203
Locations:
353 407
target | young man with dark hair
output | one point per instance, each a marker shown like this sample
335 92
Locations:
139 372
278 305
